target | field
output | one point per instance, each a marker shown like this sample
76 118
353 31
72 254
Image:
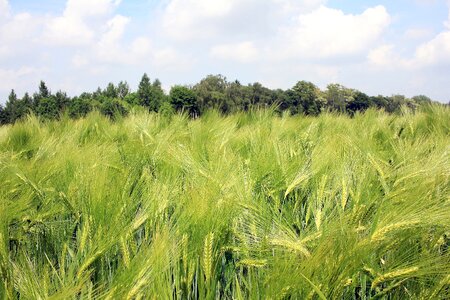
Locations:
248 206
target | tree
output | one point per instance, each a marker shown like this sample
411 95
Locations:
305 96
113 108
184 99
110 91
211 92
360 102
12 110
380 102
338 96
235 94
150 95
79 107
48 108
395 103
123 89
62 100
3 117
422 99
44 92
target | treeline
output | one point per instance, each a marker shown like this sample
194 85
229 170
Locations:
212 92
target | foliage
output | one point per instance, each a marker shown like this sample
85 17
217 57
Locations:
184 99
214 92
247 206
150 95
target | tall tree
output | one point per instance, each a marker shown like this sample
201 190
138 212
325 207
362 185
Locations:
3 118
12 110
44 92
149 95
110 91
62 100
123 89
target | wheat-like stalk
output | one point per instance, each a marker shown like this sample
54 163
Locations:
208 256
381 233
392 275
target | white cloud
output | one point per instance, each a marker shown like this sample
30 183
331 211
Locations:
430 53
87 8
74 27
17 78
4 8
283 28
435 51
68 31
417 33
328 32
382 55
243 52
185 20
18 34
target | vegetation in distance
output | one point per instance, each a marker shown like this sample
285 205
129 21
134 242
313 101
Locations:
212 92
252 205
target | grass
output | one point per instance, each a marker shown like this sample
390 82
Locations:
249 206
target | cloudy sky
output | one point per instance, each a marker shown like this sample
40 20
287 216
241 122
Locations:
377 46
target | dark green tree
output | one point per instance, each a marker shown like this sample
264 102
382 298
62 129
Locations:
48 108
12 109
80 107
113 108
150 95
44 92
184 99
360 102
3 117
62 100
110 91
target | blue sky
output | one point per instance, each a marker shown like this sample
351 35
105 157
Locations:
379 47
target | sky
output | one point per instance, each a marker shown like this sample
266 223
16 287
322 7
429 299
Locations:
379 47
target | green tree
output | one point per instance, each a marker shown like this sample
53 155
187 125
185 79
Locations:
3 117
211 92
338 96
44 92
422 99
113 108
123 89
48 108
111 91
184 99
150 95
304 98
80 107
12 109
395 103
359 102
62 100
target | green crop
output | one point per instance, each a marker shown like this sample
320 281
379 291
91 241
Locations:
248 206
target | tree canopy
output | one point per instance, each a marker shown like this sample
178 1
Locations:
212 92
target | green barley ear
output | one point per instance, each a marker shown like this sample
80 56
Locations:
208 256
408 272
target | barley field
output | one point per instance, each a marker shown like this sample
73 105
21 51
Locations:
247 206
